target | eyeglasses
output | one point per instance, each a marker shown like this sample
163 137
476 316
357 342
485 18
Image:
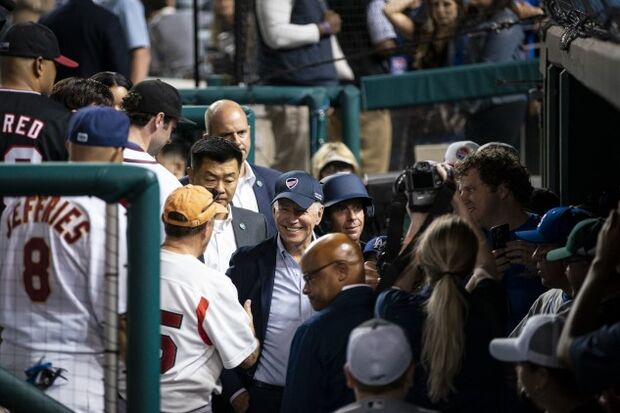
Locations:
310 275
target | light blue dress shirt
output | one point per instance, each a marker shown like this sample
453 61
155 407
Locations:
289 308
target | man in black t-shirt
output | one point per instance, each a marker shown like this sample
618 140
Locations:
33 128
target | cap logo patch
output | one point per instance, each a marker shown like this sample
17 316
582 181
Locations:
82 137
291 183
462 152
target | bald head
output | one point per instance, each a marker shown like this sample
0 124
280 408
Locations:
330 263
225 118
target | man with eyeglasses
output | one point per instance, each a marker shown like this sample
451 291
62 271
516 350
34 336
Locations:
333 271
269 274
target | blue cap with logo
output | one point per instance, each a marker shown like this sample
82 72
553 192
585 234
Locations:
376 245
300 187
99 126
555 225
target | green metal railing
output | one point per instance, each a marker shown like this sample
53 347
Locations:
348 98
449 84
382 92
316 99
111 183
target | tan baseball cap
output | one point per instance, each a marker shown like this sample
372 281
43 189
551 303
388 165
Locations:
193 202
333 152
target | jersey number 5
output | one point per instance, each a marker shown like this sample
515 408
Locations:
168 348
36 270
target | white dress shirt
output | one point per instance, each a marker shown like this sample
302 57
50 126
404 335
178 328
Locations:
289 309
244 195
222 244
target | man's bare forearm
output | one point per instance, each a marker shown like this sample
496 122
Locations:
140 61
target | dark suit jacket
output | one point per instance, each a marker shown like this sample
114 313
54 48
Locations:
252 271
249 227
264 190
90 35
315 381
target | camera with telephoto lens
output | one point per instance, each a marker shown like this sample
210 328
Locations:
420 183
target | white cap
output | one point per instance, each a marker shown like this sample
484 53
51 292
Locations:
458 151
378 353
536 344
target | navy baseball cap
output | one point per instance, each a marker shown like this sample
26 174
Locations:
99 126
342 187
555 226
300 187
33 40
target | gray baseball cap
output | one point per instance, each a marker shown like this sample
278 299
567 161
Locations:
378 353
536 344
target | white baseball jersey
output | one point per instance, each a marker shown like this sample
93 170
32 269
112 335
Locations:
167 181
51 291
203 327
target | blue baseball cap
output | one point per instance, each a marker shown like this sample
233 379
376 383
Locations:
376 245
555 226
300 187
342 187
99 126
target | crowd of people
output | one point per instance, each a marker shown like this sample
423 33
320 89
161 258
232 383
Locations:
275 295
315 44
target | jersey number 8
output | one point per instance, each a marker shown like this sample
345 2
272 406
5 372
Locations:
36 270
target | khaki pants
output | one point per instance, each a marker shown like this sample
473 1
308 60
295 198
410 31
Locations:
291 134
375 138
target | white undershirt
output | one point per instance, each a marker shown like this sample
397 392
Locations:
222 244
244 195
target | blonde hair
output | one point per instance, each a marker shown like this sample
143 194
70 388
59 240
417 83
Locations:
447 254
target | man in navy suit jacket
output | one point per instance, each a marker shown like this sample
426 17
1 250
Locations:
215 164
333 269
225 118
269 275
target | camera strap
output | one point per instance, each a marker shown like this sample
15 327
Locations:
392 245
